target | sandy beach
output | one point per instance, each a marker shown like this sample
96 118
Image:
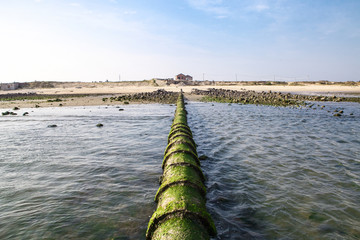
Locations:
103 90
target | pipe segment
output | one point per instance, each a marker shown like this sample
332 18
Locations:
181 213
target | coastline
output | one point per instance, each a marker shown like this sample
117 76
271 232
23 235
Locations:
96 92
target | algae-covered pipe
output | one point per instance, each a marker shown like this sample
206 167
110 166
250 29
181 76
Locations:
181 212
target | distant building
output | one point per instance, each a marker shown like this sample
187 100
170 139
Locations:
9 86
183 77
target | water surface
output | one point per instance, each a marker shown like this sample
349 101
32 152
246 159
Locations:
281 173
273 173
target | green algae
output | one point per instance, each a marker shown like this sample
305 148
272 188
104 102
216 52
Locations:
180 124
179 128
180 145
180 228
181 211
185 201
181 157
182 137
177 131
180 175
180 134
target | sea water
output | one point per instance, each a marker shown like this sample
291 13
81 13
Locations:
272 173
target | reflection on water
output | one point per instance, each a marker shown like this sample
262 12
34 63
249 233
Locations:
273 173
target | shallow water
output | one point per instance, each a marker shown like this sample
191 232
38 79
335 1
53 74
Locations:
273 173
280 173
78 181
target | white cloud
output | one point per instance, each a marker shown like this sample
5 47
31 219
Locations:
129 12
260 7
74 4
215 7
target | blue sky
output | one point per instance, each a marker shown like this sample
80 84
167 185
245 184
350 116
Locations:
98 40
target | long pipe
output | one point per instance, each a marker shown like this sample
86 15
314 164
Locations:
181 212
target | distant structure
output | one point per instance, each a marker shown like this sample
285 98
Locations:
9 86
183 77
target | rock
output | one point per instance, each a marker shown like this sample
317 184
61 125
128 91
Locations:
203 157
52 126
16 108
337 115
99 125
25 113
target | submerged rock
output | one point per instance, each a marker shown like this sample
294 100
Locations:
99 125
203 157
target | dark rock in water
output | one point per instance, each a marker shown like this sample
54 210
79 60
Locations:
203 157
25 113
351 114
16 108
337 115
60 105
121 109
99 125
341 111
8 113
126 103
37 106
52 126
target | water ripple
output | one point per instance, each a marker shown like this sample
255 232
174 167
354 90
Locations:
280 173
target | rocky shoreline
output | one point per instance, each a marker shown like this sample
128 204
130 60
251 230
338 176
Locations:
263 98
158 96
165 96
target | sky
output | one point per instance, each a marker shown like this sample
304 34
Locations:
119 40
